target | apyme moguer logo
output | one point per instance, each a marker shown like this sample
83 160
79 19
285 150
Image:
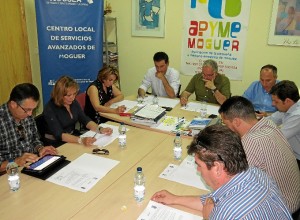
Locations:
70 2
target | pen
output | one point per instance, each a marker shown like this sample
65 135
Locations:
95 134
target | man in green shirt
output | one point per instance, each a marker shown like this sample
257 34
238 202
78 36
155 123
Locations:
209 85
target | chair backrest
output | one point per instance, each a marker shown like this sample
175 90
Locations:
81 99
178 93
41 124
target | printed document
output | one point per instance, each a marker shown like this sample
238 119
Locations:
102 139
196 106
157 211
128 104
186 173
84 172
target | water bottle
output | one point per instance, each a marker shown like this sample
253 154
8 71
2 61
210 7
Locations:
139 185
177 147
13 175
203 109
155 100
122 135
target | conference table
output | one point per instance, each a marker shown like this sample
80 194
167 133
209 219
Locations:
38 199
177 112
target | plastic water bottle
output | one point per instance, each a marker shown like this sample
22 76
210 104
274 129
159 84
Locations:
13 175
203 109
122 135
177 147
155 100
139 185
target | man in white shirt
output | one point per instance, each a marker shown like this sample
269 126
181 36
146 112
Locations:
163 79
285 97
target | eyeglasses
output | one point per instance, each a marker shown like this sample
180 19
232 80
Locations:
100 151
26 110
21 132
208 75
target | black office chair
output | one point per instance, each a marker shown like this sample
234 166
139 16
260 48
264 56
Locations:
40 124
178 93
81 100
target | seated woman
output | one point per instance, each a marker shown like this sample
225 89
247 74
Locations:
62 113
102 93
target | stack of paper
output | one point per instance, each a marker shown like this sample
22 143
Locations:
149 115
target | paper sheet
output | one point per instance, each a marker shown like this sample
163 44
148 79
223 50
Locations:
157 211
166 102
102 139
129 104
84 172
195 107
186 173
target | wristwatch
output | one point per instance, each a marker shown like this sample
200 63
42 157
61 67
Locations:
214 90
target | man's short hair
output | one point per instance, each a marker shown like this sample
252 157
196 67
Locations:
219 143
271 67
24 91
159 56
211 63
285 89
237 107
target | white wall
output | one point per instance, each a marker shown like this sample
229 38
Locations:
135 53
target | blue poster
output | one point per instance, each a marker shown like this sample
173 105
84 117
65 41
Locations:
70 34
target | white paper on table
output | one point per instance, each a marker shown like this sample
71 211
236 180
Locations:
195 107
157 211
186 173
166 102
84 172
102 139
128 104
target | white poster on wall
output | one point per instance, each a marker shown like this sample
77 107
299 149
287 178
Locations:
215 29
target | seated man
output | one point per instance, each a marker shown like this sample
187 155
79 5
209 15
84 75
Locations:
285 96
265 147
258 91
163 80
209 85
240 191
19 138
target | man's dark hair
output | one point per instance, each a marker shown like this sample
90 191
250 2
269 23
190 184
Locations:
24 91
271 67
159 56
237 107
219 143
285 89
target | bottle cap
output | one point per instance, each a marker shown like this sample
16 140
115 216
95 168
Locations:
139 169
11 160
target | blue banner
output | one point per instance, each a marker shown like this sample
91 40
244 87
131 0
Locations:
70 34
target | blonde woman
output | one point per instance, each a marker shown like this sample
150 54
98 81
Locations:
62 113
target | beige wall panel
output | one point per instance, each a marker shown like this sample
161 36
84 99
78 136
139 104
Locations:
14 55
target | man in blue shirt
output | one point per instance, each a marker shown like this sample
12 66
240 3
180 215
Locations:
258 91
239 191
285 96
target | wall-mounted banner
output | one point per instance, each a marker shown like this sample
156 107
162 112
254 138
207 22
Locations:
215 29
70 34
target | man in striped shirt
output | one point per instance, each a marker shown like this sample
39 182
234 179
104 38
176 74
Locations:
240 191
265 147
